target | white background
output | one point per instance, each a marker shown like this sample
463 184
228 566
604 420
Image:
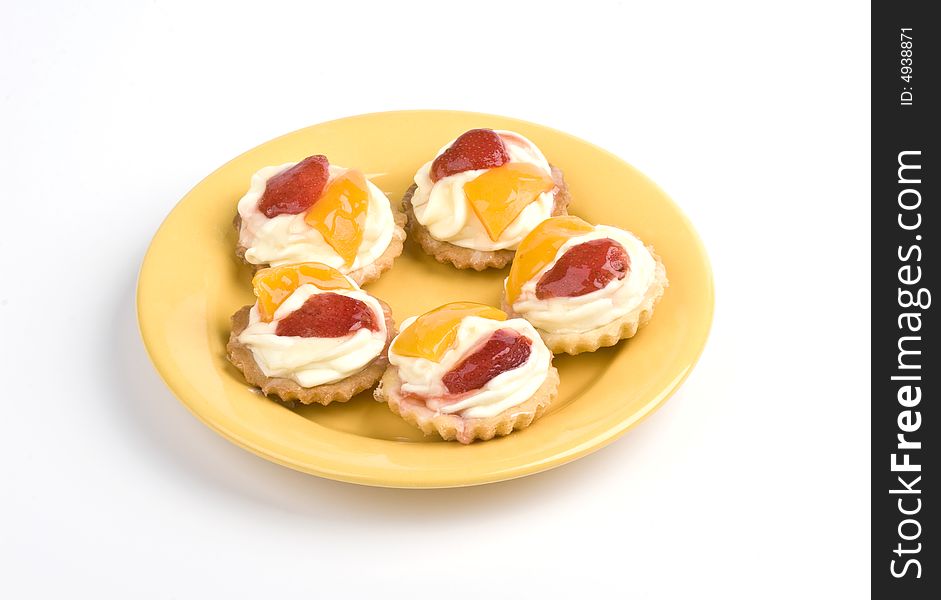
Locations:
752 482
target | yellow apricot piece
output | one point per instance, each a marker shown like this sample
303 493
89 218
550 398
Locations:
499 195
274 284
431 334
340 214
539 248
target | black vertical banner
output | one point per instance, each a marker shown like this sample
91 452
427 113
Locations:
905 371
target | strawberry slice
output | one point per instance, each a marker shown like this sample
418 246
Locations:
504 350
328 315
475 149
294 190
585 268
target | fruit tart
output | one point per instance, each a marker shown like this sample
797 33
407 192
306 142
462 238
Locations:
312 335
583 286
467 372
473 204
312 211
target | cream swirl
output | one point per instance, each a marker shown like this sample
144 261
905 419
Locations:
288 239
312 361
577 314
511 388
442 208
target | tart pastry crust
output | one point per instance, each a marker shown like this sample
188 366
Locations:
467 258
610 334
466 430
365 274
289 390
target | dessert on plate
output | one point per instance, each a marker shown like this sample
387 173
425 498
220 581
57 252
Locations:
478 198
583 286
312 335
312 211
467 372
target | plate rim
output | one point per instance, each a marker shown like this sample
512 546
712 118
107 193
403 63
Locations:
584 447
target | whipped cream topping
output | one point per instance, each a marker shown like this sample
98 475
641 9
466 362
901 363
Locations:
442 207
508 389
288 239
578 314
313 361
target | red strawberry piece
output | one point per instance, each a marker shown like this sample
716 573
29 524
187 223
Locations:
583 269
476 149
294 190
505 350
328 315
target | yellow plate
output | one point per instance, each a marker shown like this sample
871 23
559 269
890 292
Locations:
190 283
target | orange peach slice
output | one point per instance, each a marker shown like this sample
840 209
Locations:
499 195
340 214
431 334
274 284
539 248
